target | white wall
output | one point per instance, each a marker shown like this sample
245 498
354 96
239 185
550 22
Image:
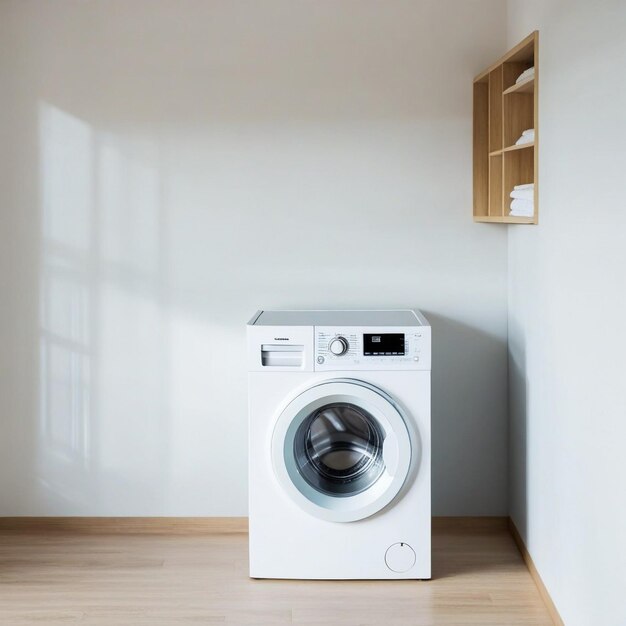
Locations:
171 166
567 299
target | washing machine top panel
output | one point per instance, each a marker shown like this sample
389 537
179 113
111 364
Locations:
400 318
338 341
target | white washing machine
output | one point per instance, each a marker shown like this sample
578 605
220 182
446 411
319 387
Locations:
339 450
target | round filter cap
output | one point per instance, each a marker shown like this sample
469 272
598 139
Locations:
400 557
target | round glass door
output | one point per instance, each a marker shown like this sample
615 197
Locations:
342 450
338 449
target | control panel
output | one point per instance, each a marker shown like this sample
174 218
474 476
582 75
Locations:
372 348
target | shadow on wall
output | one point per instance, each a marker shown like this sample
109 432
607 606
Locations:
106 365
469 439
100 299
518 425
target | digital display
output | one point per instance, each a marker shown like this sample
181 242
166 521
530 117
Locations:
388 344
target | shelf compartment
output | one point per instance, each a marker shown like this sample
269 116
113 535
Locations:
518 169
519 114
511 71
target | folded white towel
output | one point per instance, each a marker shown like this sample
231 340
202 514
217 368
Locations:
522 208
527 136
526 74
523 194
525 186
520 203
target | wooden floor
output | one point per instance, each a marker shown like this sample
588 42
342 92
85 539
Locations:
62 578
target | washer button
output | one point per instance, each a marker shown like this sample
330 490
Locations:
320 359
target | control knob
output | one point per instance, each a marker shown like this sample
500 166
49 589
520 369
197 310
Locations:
338 346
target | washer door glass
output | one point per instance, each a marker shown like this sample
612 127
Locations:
342 451
338 449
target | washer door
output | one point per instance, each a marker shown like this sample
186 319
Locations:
342 450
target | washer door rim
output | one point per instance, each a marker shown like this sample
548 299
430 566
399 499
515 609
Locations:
399 449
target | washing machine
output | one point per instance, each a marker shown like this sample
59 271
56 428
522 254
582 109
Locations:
339 444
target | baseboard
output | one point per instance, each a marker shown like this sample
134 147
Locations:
473 524
197 525
554 614
126 525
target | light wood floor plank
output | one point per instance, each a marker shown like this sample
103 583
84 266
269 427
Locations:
117 579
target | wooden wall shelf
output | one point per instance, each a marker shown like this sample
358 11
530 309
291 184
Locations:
503 109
